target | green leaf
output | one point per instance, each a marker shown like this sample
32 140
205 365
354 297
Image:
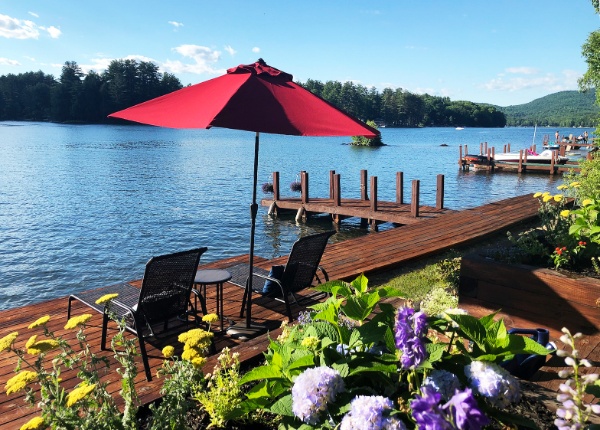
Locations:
343 368
435 351
387 291
283 406
360 284
305 361
262 372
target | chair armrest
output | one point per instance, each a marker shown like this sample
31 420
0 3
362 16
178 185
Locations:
324 272
127 308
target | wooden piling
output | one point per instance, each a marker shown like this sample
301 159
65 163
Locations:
304 184
400 188
337 198
363 185
331 181
439 197
374 193
276 194
414 202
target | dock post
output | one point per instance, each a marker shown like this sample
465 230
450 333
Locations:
337 199
363 185
414 202
374 193
400 188
504 148
460 156
520 169
481 148
331 181
275 186
304 184
439 198
554 156
509 147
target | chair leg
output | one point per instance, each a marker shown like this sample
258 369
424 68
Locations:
104 330
244 300
288 308
144 355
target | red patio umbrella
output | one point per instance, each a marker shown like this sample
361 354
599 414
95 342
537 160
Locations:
254 97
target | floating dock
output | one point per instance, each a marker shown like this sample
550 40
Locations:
368 208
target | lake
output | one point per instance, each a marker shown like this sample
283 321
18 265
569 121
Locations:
84 206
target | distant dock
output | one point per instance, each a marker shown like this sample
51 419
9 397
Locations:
368 208
485 159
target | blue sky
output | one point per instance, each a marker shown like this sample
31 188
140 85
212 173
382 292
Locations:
504 52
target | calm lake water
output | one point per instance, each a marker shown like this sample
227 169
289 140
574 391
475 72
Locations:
85 206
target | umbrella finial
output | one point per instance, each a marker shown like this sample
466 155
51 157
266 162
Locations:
261 62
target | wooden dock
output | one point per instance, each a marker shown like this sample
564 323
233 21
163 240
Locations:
485 160
374 253
367 208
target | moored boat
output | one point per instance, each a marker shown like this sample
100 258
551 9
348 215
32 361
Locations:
544 157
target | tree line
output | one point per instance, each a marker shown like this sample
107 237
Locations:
79 97
89 98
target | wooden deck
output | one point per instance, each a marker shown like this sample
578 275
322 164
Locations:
373 253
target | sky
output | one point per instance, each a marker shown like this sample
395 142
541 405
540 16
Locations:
503 52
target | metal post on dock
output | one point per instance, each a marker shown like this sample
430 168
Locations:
439 198
414 202
400 188
275 186
363 185
304 185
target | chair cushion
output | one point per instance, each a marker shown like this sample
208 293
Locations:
271 288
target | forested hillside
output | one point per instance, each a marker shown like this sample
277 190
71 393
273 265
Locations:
89 98
562 109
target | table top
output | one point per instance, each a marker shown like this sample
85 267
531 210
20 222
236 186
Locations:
212 276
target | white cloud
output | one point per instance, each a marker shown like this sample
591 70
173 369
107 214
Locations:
13 28
100 64
33 14
230 50
53 31
9 62
203 58
176 24
256 49
522 70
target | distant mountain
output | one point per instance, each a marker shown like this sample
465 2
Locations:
562 109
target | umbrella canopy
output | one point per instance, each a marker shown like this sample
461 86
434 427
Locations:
254 97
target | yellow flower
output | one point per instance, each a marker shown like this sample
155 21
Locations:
565 213
168 351
79 393
562 187
20 381
536 195
77 321
198 362
310 342
547 198
545 193
7 341
558 197
210 318
36 423
106 298
31 341
587 202
42 346
40 321
575 184
189 354
196 338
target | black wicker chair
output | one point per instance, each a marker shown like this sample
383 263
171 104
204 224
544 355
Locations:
299 272
163 297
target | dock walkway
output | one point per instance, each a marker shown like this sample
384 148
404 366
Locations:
343 260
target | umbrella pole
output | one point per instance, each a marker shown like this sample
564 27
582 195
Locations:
250 329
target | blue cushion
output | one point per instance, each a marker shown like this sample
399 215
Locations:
271 288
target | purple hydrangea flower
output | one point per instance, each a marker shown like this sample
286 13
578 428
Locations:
312 390
493 382
370 413
443 382
411 329
465 412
